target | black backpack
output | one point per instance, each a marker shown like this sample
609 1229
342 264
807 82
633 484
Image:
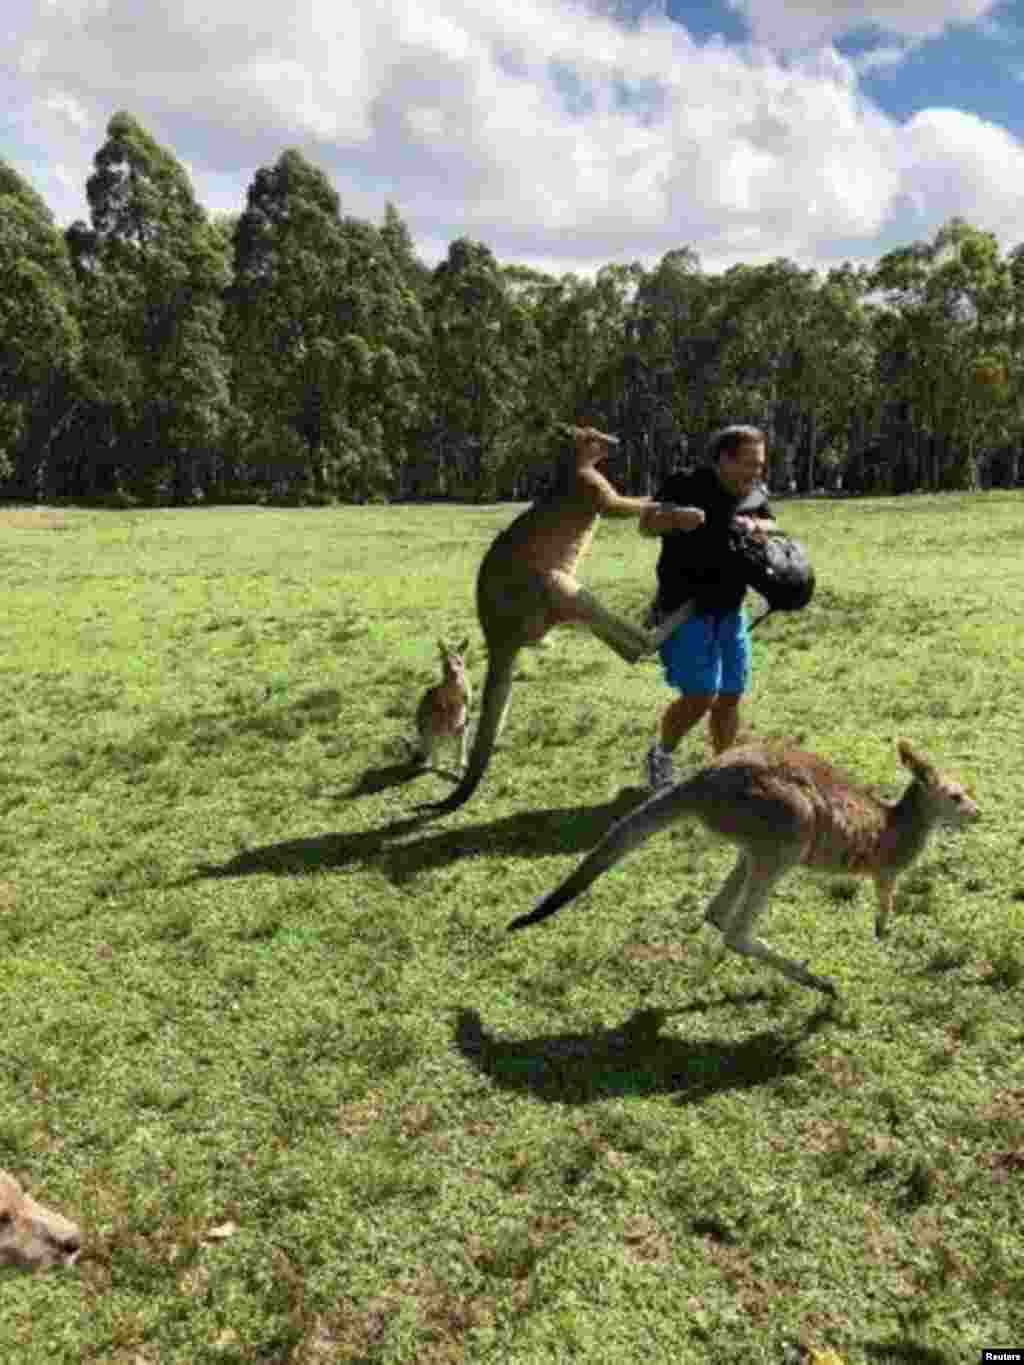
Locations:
777 567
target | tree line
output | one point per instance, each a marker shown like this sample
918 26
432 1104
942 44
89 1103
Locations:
290 353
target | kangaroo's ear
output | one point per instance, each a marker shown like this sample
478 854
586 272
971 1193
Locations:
915 763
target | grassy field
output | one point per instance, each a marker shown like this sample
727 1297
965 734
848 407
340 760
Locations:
265 1036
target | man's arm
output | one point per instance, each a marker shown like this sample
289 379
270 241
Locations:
673 511
660 518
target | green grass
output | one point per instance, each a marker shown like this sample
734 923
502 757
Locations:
266 1038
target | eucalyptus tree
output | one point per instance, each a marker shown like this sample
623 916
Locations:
152 271
577 360
556 364
1015 367
39 334
834 371
398 240
671 357
614 394
288 373
385 344
325 332
482 343
907 377
973 284
946 324
760 321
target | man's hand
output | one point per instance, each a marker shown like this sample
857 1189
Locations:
683 518
758 529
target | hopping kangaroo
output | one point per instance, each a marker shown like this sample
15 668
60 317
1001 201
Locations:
783 807
527 585
443 712
33 1237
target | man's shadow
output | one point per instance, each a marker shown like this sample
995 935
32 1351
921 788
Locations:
401 857
635 1058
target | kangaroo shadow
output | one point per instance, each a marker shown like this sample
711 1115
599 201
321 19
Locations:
635 1058
566 829
392 775
905 1352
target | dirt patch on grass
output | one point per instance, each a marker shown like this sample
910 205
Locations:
33 518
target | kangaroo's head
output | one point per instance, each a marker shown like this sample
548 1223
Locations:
590 445
952 802
453 660
32 1237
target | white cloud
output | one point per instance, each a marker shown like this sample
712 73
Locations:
957 163
880 58
810 23
549 130
66 107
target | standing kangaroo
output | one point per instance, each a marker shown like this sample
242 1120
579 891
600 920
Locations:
443 711
33 1237
527 585
784 807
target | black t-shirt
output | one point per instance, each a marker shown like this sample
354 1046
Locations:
697 564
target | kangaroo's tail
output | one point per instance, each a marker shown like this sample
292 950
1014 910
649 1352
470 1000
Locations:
625 835
495 697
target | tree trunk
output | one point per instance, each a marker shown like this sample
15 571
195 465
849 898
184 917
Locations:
918 471
812 441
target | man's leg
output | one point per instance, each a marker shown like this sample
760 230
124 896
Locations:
691 667
677 720
681 715
724 721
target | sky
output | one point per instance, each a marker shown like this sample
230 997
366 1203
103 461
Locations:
564 134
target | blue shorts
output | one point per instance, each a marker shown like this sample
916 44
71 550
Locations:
709 654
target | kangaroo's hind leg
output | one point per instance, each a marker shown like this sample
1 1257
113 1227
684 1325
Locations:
572 603
729 895
463 745
765 869
420 749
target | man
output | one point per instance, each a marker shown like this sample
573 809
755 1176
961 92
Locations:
707 658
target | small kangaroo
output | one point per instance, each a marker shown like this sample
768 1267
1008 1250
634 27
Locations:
33 1237
527 585
443 712
784 807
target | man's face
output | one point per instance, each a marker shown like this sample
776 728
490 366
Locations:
742 471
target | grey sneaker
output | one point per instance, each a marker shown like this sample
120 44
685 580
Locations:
660 771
